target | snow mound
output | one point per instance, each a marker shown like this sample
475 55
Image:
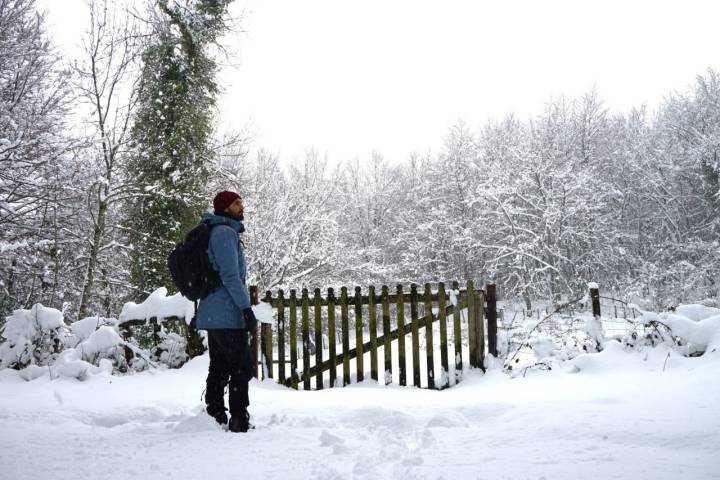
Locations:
697 312
26 323
70 364
101 340
159 305
82 329
704 334
201 422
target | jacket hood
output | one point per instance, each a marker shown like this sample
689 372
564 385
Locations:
212 219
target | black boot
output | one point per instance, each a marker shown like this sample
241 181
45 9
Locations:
218 414
240 422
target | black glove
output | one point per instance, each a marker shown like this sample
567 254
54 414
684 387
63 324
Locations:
250 320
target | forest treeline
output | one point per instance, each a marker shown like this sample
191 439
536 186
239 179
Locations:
107 159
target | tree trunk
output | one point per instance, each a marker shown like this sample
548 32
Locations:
92 260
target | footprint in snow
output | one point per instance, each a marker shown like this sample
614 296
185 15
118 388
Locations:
327 439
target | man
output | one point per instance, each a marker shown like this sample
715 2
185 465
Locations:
226 315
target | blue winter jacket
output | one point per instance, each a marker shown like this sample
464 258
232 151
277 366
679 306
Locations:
223 307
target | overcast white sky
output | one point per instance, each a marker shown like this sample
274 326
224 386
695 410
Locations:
349 77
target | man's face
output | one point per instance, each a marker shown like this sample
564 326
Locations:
236 209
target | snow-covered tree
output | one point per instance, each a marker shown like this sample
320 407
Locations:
33 196
172 132
105 76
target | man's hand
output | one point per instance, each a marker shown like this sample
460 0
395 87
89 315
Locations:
250 320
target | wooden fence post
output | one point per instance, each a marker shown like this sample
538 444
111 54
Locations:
457 333
491 299
281 339
402 365
306 338
372 325
443 334
595 297
415 335
344 325
317 300
332 339
360 374
472 326
387 344
480 326
429 345
293 340
267 350
253 290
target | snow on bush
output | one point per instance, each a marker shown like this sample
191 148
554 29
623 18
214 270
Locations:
159 305
697 333
172 350
31 337
689 330
82 329
101 341
38 342
71 364
697 312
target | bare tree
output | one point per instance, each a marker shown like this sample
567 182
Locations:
106 76
33 104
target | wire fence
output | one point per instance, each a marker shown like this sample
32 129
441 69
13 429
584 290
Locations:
565 330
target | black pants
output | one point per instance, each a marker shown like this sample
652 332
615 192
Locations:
230 362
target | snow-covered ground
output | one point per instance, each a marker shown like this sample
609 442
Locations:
616 414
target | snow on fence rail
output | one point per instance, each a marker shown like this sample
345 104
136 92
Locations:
324 355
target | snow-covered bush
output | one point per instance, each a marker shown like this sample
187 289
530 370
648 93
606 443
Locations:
689 330
82 329
32 337
37 341
172 350
165 341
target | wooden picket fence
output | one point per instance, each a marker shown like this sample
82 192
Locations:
310 343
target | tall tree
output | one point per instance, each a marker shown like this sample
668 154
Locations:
105 75
172 132
33 106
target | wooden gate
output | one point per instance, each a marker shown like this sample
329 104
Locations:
327 341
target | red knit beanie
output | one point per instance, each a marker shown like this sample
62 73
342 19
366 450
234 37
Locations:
223 200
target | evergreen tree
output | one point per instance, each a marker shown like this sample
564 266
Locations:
172 133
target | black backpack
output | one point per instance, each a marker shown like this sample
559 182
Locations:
190 266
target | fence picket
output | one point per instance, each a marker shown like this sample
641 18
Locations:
318 338
293 340
281 336
402 365
429 345
457 334
372 326
387 346
332 340
480 326
415 334
345 334
472 323
306 338
266 334
443 335
359 335
491 318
